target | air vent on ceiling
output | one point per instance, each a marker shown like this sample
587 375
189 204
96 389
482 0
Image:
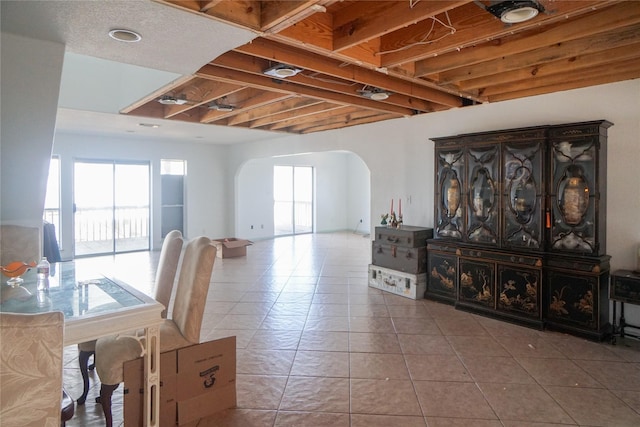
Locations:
281 71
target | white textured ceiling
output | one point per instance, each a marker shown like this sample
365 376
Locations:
174 43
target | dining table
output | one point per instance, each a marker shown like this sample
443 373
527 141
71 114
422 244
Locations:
94 305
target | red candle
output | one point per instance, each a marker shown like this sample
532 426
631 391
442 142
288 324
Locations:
400 207
391 206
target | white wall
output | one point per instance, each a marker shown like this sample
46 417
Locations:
341 193
31 72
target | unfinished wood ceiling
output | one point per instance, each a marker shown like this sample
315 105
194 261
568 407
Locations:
425 56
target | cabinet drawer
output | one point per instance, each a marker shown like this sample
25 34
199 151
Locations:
408 236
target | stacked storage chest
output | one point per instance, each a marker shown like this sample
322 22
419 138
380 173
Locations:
399 260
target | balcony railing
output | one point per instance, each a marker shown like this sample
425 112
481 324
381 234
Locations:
96 229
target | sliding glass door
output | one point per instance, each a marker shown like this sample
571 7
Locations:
111 207
293 200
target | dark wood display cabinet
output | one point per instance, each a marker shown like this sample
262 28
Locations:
520 227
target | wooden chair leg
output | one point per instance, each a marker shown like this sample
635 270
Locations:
83 361
106 391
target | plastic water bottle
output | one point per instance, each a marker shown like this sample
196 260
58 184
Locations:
42 270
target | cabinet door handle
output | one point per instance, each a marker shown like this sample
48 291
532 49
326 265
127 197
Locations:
408 255
392 239
379 249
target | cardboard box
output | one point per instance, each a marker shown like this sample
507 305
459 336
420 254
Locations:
229 247
195 382
134 391
404 284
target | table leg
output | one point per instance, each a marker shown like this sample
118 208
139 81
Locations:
622 320
152 377
614 331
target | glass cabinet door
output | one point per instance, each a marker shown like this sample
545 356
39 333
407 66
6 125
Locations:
574 202
482 198
450 193
522 196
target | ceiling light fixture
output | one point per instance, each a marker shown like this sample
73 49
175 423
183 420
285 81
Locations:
375 93
126 36
281 71
221 107
515 11
172 100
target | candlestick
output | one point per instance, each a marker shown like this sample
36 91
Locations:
391 211
400 207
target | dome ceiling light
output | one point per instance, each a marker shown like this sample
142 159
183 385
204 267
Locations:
515 11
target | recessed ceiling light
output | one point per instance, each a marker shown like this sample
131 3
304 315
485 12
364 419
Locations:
172 100
375 93
149 125
282 71
515 11
126 36
221 107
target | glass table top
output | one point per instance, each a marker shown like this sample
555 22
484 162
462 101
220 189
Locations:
74 291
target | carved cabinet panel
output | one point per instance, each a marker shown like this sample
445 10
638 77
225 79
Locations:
442 275
482 197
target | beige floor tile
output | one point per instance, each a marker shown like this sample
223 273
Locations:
580 349
290 309
379 325
627 349
317 394
240 321
436 367
259 391
264 362
295 297
321 364
559 372
465 326
378 366
365 298
452 399
425 344
267 339
327 298
238 418
468 346
362 342
596 407
283 322
524 402
360 420
497 369
461 422
631 398
243 336
408 311
613 375
368 310
329 310
404 325
384 397
529 346
260 297
327 323
311 419
324 341
329 288
251 308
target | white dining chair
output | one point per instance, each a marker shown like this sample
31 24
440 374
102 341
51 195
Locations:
162 289
31 369
181 330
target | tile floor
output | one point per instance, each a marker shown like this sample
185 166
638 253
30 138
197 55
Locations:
317 347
